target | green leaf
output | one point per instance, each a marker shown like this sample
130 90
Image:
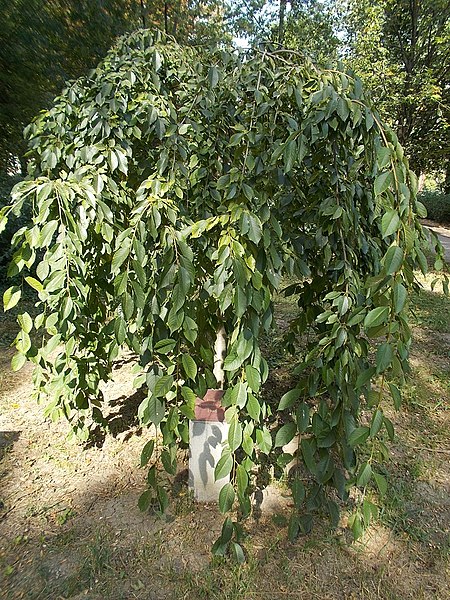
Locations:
376 316
163 385
175 320
163 498
289 399
145 500
236 138
396 396
17 361
253 378
285 434
112 160
232 362
227 531
239 395
165 346
382 182
254 229
289 155
384 357
47 233
147 452
358 436
224 466
240 301
157 61
298 492
213 77
11 297
381 482
169 463
264 440
189 366
248 191
120 330
383 157
237 553
376 422
226 498
364 377
247 443
400 297
356 526
389 428
241 479
293 527
120 255
302 417
364 474
234 434
156 410
308 455
253 407
393 260
389 223
26 322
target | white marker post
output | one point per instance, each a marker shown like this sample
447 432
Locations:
208 432
207 435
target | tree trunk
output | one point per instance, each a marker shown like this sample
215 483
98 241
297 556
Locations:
144 23
166 17
447 179
421 182
220 347
281 17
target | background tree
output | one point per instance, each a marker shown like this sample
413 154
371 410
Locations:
191 21
400 48
303 25
309 28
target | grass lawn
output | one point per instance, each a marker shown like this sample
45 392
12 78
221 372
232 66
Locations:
70 526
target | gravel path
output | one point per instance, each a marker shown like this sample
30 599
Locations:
443 233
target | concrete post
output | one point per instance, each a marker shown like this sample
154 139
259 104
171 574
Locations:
207 434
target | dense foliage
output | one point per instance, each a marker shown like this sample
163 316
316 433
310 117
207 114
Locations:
6 251
171 190
400 50
437 205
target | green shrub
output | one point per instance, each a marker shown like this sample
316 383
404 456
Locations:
437 205
6 184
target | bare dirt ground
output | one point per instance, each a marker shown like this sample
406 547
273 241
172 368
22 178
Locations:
70 526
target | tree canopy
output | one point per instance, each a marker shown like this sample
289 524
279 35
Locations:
171 190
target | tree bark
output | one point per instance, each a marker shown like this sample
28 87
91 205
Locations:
421 181
220 347
447 179
281 19
144 22
166 17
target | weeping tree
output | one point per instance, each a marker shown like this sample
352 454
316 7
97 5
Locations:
172 190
